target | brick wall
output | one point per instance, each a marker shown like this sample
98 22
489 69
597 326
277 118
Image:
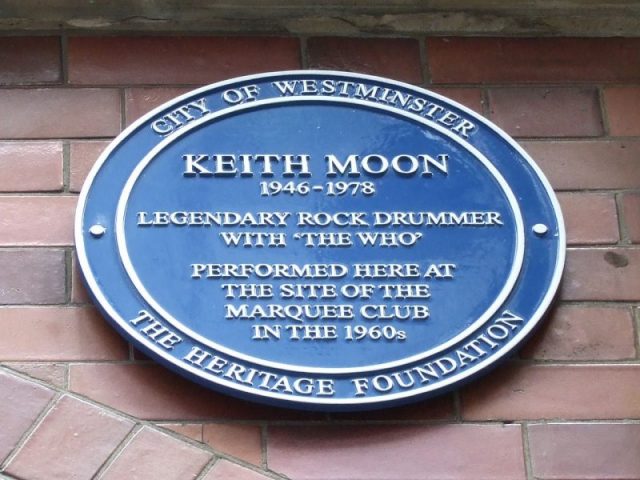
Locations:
77 402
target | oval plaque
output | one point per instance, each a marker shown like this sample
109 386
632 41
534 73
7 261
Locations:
320 240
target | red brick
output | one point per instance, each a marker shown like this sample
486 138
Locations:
139 101
37 220
152 392
469 97
59 113
533 60
393 452
577 332
602 274
35 276
397 58
29 60
73 441
577 165
224 470
439 408
176 60
577 392
581 209
152 454
78 291
139 356
21 402
598 451
82 156
55 333
52 373
30 166
631 215
190 430
242 441
546 112
623 110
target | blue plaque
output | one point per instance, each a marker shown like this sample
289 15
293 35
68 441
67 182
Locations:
320 240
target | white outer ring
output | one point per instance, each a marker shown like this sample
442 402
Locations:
181 366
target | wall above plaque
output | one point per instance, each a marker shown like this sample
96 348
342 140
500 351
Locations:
320 240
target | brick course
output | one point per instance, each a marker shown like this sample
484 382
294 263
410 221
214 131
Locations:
176 60
588 165
580 210
224 470
584 333
59 113
82 157
73 441
408 453
531 392
153 455
589 450
623 110
30 60
533 60
631 211
469 97
37 220
51 373
241 441
30 166
398 58
546 112
79 293
58 334
20 404
602 274
32 276
139 101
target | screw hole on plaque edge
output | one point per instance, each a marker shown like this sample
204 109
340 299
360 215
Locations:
540 229
97 230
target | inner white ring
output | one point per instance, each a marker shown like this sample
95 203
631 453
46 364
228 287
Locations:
139 286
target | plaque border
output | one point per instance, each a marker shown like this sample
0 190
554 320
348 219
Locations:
319 403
